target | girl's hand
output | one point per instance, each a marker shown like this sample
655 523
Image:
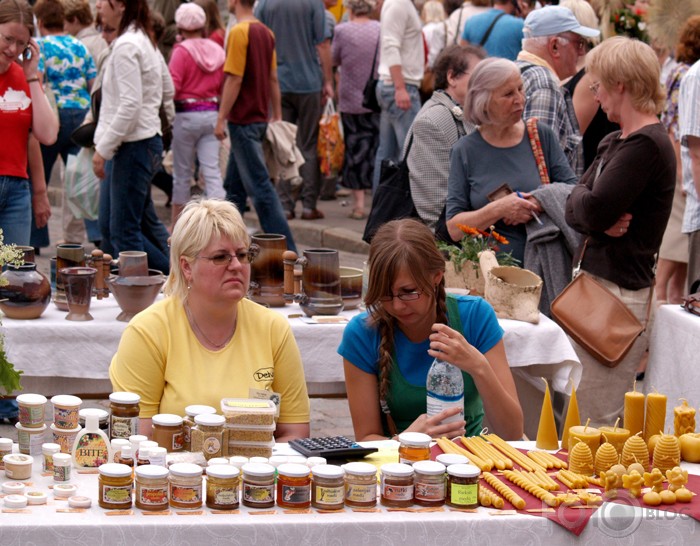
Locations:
30 66
449 345
433 427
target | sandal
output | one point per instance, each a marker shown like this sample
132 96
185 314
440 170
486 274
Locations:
357 215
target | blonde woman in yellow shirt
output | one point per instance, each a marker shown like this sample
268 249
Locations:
205 340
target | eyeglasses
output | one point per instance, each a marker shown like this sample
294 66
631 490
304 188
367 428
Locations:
579 43
12 41
594 87
404 296
243 257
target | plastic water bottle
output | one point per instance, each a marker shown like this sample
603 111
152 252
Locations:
445 388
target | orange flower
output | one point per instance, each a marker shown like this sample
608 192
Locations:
468 229
500 238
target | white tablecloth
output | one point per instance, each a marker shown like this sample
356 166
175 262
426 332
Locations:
43 525
674 355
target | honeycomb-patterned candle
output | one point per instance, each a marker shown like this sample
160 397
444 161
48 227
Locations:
683 418
605 458
581 459
667 453
635 450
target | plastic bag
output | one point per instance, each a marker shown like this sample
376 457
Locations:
331 143
82 187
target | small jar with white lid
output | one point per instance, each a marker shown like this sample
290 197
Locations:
327 487
293 486
396 485
157 456
415 446
208 435
48 450
360 485
258 485
124 416
463 486
429 483
117 445
448 459
145 452
188 421
314 461
167 431
238 461
223 483
62 463
185 486
5 449
115 486
151 487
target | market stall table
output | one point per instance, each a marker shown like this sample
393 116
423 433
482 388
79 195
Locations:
93 526
674 352
59 356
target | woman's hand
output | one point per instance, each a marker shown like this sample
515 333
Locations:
619 228
433 427
451 346
517 210
41 208
98 165
31 65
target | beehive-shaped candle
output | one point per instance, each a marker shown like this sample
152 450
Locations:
605 458
635 450
573 418
581 459
667 453
547 437
683 418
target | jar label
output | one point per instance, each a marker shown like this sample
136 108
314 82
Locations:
31 415
123 427
61 473
329 495
430 491
295 494
397 492
178 439
211 445
91 450
190 494
361 493
224 495
116 495
260 494
153 496
186 433
464 494
48 463
65 417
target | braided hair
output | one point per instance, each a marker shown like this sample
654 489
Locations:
401 244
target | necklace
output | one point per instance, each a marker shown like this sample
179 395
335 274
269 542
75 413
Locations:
199 331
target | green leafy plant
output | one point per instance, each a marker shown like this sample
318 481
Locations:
9 377
475 241
629 21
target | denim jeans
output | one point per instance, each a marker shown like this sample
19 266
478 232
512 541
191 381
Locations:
128 218
247 175
70 119
394 124
15 210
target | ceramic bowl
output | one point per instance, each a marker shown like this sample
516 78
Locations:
134 294
350 286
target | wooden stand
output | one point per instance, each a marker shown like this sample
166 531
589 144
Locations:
96 257
289 259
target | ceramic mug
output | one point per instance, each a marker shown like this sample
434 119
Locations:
267 269
133 263
320 282
67 255
78 282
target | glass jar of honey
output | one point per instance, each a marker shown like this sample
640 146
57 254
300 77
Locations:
223 483
188 421
167 431
124 416
463 486
429 483
185 486
360 485
415 446
152 487
293 486
115 486
258 485
327 487
208 435
396 485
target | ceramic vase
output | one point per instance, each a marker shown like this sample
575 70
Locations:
27 292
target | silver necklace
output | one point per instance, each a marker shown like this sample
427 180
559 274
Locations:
199 331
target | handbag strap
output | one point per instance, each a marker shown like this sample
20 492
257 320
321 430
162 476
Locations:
459 24
488 30
374 60
536 146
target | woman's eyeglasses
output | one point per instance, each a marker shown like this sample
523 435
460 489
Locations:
404 296
594 87
243 257
12 41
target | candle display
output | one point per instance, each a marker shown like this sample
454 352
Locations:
588 435
667 453
616 436
635 450
690 447
547 437
655 418
683 418
605 458
634 411
573 419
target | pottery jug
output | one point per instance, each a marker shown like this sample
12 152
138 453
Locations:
27 292
267 269
320 281
78 283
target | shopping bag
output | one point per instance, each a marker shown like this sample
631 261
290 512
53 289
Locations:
82 186
331 144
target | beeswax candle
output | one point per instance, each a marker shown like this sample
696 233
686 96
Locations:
683 418
547 437
655 418
615 435
588 435
634 411
573 418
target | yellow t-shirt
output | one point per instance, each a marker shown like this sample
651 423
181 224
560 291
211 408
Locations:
160 359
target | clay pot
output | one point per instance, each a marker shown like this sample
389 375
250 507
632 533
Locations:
470 277
350 286
134 294
27 292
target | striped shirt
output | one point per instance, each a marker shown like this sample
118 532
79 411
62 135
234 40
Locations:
689 125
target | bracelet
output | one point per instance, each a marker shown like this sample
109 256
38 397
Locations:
30 80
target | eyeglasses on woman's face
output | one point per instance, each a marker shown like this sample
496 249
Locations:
9 41
594 87
225 258
403 296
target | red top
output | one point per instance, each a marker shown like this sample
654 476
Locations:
15 121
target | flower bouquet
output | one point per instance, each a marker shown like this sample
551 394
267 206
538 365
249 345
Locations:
629 21
9 377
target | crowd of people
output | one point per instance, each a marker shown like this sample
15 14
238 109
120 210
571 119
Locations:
510 114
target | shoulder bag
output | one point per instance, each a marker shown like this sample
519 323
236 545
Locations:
369 93
534 136
597 319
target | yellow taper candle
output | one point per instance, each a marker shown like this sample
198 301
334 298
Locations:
588 435
683 418
634 411
547 437
572 419
655 419
617 436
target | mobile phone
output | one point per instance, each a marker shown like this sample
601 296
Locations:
27 53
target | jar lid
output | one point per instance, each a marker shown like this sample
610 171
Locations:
277 460
137 439
238 460
256 460
167 420
114 470
187 470
61 459
223 471
315 461
293 470
65 490
66 400
210 420
415 439
18 458
153 471
101 414
36 497
157 451
261 470
31 399
217 461
15 501
48 448
67 431
327 471
6 442
30 430
198 409
119 443
397 469
431 468
124 398
148 444
360 469
463 470
13 488
451 458
79 501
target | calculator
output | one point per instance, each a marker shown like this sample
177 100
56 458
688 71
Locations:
332 447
